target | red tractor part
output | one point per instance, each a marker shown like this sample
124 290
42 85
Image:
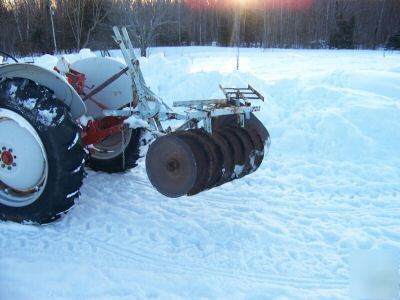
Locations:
7 158
77 80
98 130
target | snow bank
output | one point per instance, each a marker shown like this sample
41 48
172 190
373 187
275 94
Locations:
336 115
379 83
46 61
50 61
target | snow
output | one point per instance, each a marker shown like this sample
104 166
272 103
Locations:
13 89
46 61
329 187
135 122
84 120
30 103
47 116
74 141
364 268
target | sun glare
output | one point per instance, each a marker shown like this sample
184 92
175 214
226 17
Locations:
241 2
257 4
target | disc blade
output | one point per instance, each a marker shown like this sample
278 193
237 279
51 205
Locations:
171 166
228 164
258 151
238 151
199 153
247 147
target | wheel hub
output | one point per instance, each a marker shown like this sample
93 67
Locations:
173 165
23 161
7 158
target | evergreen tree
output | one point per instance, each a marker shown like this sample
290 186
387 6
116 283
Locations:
393 42
343 36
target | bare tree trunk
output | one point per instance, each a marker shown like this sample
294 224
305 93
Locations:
98 14
378 28
281 24
75 13
143 51
145 18
264 25
179 22
15 10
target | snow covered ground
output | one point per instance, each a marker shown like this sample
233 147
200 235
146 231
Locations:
329 186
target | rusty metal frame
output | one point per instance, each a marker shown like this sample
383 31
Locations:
237 102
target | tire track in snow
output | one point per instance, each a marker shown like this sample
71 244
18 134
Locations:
148 260
138 256
335 210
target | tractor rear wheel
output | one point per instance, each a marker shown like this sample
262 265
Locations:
41 167
117 153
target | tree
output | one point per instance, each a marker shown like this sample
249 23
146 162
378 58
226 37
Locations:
342 37
143 19
271 23
97 13
84 16
75 13
393 42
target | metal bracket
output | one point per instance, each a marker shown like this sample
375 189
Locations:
148 103
237 102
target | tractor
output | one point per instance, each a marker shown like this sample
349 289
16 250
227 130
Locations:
94 113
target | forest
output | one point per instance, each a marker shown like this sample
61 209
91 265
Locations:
46 26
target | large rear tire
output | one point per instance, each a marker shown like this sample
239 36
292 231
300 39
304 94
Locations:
42 158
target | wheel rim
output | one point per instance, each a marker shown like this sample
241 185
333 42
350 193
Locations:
111 147
23 164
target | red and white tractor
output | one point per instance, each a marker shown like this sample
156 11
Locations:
94 113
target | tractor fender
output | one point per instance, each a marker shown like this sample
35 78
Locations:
50 79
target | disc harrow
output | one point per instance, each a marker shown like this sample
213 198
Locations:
207 161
